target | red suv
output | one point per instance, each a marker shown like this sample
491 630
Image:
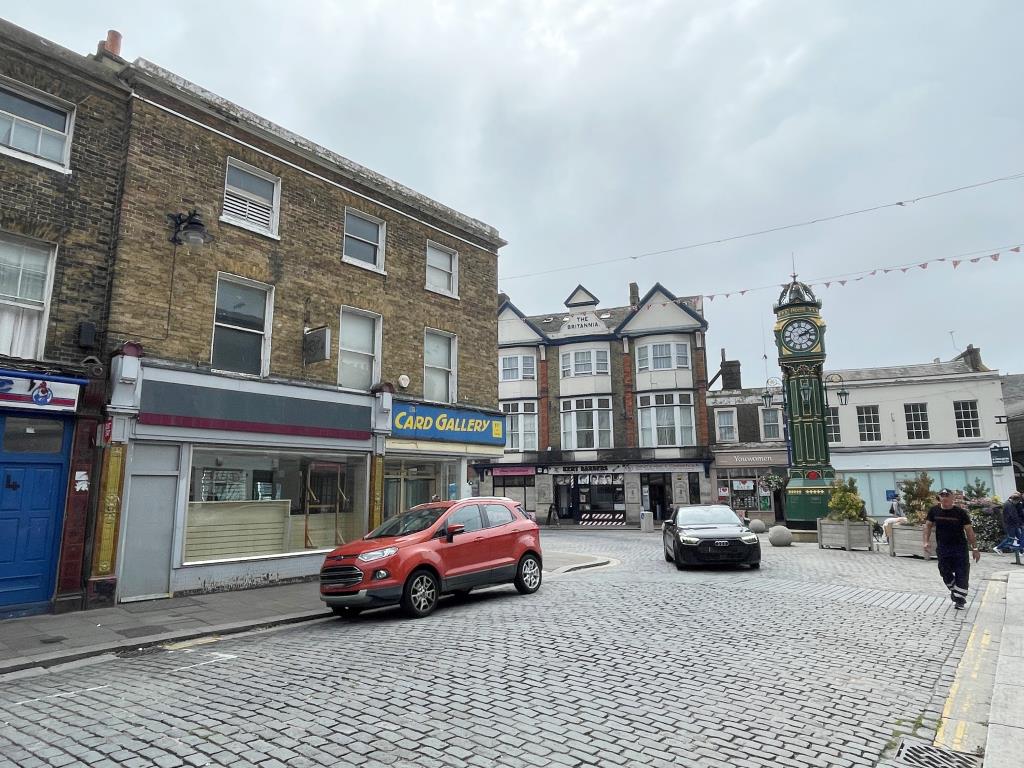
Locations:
434 549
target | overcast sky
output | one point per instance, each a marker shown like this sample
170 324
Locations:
598 130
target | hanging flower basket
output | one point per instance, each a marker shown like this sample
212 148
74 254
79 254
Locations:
771 482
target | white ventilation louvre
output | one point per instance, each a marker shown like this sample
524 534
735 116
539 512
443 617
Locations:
239 207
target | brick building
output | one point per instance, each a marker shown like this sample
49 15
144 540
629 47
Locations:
62 132
273 309
605 408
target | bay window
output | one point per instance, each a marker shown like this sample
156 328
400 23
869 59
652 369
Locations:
518 367
521 425
586 423
662 356
586 362
666 420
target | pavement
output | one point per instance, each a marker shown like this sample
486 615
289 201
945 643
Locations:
1005 743
48 640
820 658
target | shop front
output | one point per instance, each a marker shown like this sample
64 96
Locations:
598 494
743 481
37 426
228 482
428 452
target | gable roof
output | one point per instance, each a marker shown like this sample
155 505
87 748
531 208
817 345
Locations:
581 297
682 303
506 304
950 368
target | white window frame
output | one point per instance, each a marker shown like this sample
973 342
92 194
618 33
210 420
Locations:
514 410
975 422
761 411
832 426
570 406
600 362
268 323
454 293
864 410
718 427
238 221
35 94
520 367
453 372
648 404
919 423
378 267
40 346
378 337
680 358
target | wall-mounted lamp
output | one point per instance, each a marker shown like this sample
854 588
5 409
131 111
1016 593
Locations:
188 229
843 393
768 396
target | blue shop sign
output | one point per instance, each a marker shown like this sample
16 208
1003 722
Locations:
415 421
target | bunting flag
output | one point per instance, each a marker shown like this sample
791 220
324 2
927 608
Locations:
904 268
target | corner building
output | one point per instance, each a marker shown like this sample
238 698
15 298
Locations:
309 305
605 408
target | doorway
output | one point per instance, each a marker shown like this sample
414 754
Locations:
33 473
656 494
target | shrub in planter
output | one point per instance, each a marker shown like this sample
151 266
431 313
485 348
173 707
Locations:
845 502
846 525
918 498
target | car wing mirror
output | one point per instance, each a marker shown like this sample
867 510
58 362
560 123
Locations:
454 529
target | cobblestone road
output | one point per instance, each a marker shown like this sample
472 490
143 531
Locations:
815 660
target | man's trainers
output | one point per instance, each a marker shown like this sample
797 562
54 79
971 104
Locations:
959 605
998 551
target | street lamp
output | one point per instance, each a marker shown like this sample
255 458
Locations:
188 229
768 396
843 393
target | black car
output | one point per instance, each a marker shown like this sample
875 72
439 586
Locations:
709 534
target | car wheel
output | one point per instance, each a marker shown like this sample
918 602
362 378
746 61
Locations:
419 597
345 612
528 575
680 565
668 555
754 566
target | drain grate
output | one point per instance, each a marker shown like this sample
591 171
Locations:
922 755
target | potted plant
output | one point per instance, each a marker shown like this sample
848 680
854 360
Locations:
846 526
986 513
916 497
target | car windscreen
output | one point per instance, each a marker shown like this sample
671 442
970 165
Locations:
413 521
706 516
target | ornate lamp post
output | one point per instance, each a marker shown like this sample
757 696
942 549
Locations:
772 385
843 393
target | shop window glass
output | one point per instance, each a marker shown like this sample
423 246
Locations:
262 503
33 435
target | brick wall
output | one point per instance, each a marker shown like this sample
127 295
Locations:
617 362
554 392
700 384
165 299
74 212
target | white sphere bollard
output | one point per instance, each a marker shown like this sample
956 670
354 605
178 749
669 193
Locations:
758 526
780 536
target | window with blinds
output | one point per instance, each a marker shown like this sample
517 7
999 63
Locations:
24 293
251 197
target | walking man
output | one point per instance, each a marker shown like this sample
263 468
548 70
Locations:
953 532
1011 526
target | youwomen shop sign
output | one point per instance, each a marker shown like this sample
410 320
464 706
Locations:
416 421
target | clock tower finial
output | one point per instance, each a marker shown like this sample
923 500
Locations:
800 339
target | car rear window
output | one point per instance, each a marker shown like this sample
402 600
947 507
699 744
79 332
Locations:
498 514
520 512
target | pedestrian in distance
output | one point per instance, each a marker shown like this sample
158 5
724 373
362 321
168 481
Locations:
953 534
1012 522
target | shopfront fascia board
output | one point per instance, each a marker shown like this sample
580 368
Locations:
397 445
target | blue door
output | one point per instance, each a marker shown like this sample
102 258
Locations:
33 482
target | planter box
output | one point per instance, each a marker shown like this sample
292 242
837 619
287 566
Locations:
906 540
833 534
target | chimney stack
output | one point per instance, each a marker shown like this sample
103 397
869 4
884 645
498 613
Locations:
111 46
634 295
972 356
731 375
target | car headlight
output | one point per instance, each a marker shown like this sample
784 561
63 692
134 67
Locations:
377 554
749 538
684 539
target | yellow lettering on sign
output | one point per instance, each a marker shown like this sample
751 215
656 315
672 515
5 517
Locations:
496 430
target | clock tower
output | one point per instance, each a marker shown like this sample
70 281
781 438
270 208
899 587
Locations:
800 338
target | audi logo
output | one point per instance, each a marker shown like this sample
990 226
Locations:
721 543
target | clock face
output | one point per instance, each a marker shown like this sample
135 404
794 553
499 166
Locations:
800 335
